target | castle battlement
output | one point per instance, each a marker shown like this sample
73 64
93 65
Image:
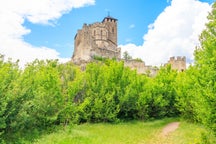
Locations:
178 58
97 39
178 63
100 39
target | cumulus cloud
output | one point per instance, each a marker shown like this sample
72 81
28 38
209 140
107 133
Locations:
14 13
175 32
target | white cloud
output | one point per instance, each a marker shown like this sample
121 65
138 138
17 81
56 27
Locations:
175 32
14 13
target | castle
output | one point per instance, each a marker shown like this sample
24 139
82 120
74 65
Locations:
100 40
178 63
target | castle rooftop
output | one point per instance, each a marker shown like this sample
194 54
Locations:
109 18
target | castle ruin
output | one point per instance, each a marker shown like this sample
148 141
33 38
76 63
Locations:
100 40
178 63
97 39
140 67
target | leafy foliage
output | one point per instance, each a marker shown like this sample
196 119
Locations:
9 72
126 56
196 88
138 59
47 93
206 78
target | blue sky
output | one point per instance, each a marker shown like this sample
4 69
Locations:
49 28
133 16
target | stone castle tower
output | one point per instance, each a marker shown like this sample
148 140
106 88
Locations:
97 39
178 63
100 40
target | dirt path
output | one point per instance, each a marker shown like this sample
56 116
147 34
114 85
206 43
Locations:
170 128
163 136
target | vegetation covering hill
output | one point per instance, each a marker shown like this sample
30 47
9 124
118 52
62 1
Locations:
46 93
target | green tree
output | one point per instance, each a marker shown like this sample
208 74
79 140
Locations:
100 97
126 56
189 96
162 96
205 62
72 84
9 73
41 96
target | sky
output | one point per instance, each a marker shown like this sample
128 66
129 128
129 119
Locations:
152 30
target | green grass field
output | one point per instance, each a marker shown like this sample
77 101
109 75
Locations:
135 132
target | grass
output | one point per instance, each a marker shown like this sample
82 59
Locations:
135 132
187 133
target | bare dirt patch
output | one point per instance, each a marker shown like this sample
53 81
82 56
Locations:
170 128
163 136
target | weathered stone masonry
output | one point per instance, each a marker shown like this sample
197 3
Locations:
98 39
178 63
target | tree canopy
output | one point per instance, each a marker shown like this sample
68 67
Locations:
47 93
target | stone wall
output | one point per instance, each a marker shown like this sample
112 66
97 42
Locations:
141 68
178 63
100 39
97 39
